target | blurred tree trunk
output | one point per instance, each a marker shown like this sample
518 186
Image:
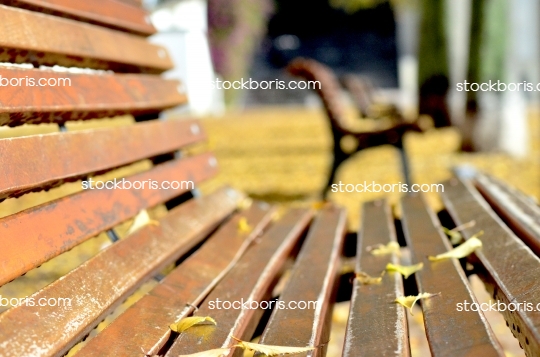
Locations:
235 30
473 74
433 63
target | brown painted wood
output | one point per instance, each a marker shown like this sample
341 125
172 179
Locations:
377 326
107 13
450 332
251 280
31 37
55 227
313 280
146 324
36 162
517 210
508 267
81 96
103 282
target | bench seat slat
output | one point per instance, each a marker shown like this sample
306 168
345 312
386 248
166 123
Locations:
522 215
33 163
108 13
313 278
28 238
85 96
377 326
101 284
31 37
469 334
510 268
146 324
251 280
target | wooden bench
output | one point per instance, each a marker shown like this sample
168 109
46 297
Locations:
329 92
221 245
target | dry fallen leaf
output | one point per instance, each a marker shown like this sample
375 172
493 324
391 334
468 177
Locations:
455 235
141 219
366 279
188 322
410 301
218 352
462 250
405 270
270 350
381 249
243 225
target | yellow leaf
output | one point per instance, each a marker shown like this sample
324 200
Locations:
188 322
243 225
455 235
218 352
410 301
270 350
405 270
141 219
381 249
365 279
245 203
462 250
318 205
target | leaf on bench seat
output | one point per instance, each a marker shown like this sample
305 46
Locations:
366 279
270 350
462 250
381 249
218 352
188 322
405 270
141 219
243 225
410 301
455 235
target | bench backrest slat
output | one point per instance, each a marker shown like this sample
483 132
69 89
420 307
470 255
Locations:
81 96
107 13
33 163
30 37
103 282
83 215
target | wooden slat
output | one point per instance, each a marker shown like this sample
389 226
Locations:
377 326
250 280
510 268
31 37
517 210
102 283
108 13
55 227
33 163
81 96
313 280
469 333
145 326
